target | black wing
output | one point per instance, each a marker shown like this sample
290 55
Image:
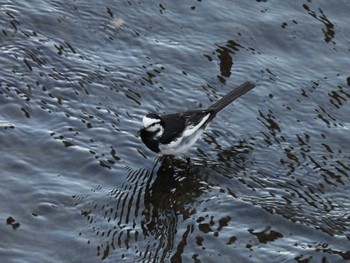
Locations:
175 124
194 117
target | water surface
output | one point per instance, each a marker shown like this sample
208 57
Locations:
269 180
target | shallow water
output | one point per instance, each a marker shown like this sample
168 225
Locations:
269 180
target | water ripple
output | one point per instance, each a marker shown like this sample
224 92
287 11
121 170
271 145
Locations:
269 180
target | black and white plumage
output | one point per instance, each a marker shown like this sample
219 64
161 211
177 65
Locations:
175 133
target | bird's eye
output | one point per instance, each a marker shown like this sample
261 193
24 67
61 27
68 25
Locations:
152 125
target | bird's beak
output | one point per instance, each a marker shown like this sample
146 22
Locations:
139 132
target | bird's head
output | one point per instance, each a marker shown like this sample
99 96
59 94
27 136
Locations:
152 123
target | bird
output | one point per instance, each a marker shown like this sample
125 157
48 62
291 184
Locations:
175 133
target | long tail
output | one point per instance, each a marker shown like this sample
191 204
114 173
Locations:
231 96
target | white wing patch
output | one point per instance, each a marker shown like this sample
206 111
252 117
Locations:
192 129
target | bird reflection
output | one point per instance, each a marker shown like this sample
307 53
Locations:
147 206
168 199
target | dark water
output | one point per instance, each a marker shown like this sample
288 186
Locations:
269 181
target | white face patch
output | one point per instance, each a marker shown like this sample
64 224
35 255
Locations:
147 122
151 124
154 127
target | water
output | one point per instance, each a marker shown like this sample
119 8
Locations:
269 180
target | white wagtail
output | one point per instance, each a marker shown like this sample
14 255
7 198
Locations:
175 133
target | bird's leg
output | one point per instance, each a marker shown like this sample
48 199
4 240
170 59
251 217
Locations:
188 163
167 160
188 159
